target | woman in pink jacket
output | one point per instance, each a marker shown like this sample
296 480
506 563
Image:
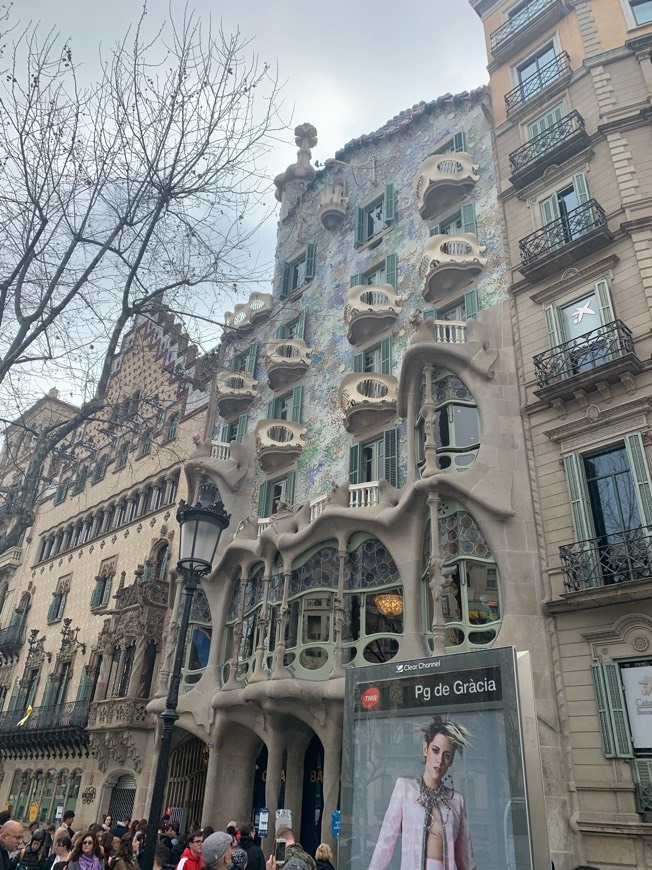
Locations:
431 818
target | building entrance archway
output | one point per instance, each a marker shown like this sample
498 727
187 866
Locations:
123 795
187 780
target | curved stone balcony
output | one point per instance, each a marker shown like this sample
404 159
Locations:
367 399
450 263
234 392
286 360
443 180
370 310
247 314
278 443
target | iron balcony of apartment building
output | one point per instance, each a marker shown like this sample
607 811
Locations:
562 242
370 310
604 355
553 146
523 27
54 731
367 399
286 361
549 77
11 640
607 560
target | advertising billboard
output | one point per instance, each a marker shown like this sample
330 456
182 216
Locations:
433 774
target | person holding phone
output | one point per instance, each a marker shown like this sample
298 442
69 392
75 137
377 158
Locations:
294 849
430 816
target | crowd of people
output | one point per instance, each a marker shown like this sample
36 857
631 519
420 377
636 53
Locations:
119 845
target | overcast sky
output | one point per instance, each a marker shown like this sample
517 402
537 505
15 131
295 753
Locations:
347 66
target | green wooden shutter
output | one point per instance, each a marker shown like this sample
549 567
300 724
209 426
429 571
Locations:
581 188
252 353
603 711
389 204
358 362
15 696
541 124
554 326
49 694
390 437
285 281
604 301
224 434
360 218
471 304
310 262
386 356
288 487
641 475
468 219
617 710
32 692
272 409
53 609
391 270
435 231
96 595
549 209
263 498
242 428
297 398
459 141
579 497
300 331
85 688
356 280
355 463
429 313
282 331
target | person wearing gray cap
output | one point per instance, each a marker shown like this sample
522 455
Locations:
216 851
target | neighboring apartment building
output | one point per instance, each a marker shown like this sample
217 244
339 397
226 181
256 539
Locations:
367 439
571 85
88 605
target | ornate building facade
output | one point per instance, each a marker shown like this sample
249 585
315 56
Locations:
571 86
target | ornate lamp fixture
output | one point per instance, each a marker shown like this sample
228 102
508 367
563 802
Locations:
389 604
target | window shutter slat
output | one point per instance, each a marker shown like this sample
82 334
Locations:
285 281
554 326
386 356
301 326
389 204
49 694
579 497
252 354
604 301
288 488
310 262
355 463
297 398
224 433
617 710
85 689
242 428
434 231
641 474
459 141
263 495
358 362
391 270
581 188
356 280
468 219
603 711
549 209
282 331
360 215
271 409
429 313
471 304
391 456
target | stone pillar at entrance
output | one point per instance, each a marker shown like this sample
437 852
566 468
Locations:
297 745
332 762
275 747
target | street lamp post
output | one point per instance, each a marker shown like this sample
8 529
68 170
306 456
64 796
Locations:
201 528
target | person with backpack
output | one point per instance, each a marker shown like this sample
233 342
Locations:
32 856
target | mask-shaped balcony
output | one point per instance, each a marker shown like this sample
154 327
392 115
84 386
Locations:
278 443
367 399
565 240
234 392
286 360
370 310
450 263
247 314
443 181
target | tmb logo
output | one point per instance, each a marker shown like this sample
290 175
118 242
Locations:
370 697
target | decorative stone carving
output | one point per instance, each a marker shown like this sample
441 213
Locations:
367 399
247 314
443 180
119 712
305 136
286 361
234 392
450 263
332 205
278 443
114 748
370 310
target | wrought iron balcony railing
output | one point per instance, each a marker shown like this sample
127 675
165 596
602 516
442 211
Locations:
562 231
538 81
11 639
51 718
518 22
590 351
47 732
547 142
608 559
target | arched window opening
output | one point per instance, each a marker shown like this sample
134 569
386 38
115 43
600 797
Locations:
147 671
198 646
456 427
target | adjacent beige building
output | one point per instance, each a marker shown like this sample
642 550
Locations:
571 86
